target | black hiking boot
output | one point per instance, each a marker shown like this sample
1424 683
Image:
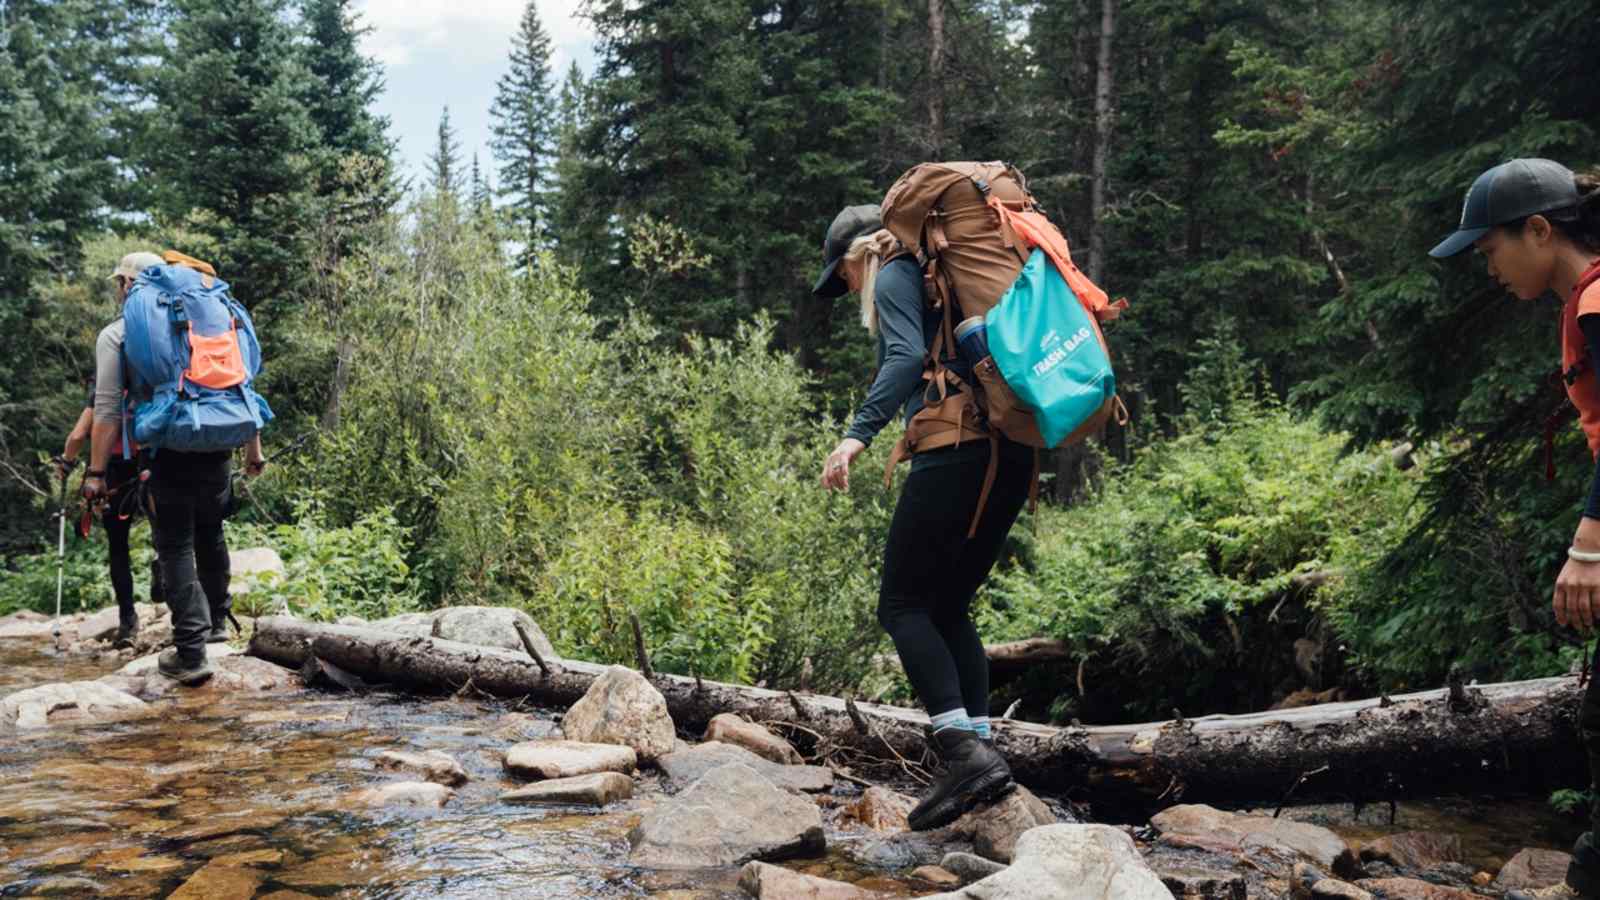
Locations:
973 773
218 633
127 629
185 673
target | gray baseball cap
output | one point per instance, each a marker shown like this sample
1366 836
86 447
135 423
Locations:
1506 193
131 265
851 223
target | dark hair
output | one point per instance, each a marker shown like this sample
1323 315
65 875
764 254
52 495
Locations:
1579 224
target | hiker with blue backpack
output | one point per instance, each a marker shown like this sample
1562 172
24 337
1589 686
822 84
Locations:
989 344
173 378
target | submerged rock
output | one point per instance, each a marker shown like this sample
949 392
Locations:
1057 861
219 882
621 707
768 882
685 767
431 764
731 816
728 728
403 793
68 702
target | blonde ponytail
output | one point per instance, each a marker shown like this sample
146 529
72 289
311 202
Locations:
870 250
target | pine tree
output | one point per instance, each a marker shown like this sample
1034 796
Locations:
235 142
342 89
524 132
445 159
483 212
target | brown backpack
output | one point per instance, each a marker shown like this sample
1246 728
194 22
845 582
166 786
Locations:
971 227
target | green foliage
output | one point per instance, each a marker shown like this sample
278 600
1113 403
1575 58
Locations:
1570 802
358 569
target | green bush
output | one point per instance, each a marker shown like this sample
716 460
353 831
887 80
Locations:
359 569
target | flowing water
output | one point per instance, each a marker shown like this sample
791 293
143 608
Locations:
260 783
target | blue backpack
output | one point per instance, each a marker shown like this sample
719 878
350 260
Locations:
192 349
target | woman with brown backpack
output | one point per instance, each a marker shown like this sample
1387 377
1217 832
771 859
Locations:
931 567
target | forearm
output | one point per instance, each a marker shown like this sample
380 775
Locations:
103 437
80 433
897 378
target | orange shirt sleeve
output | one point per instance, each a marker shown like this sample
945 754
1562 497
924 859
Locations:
1589 300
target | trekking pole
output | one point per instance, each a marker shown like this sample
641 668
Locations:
61 551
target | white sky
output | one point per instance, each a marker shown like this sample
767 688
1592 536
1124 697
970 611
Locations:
438 52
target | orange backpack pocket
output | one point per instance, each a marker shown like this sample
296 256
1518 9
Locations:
216 362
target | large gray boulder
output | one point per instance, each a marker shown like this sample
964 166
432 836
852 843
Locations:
731 816
1063 862
685 767
621 707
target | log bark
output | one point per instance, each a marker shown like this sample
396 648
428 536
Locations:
1505 738
1018 654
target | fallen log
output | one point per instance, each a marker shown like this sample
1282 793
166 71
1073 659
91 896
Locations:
1020 654
1496 738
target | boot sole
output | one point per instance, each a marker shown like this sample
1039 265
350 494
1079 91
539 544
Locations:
984 787
188 679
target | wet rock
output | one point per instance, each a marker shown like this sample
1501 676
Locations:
219 882
596 789
515 728
1055 861
286 895
769 882
937 876
234 673
881 809
66 886
403 793
67 702
1224 831
214 827
1532 868
732 729
996 827
29 624
906 849
1416 850
686 767
969 867
1411 889
333 870
730 816
1203 884
431 765
146 665
100 626
564 759
1334 889
621 707
265 858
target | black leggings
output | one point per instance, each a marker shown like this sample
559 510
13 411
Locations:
120 512
931 571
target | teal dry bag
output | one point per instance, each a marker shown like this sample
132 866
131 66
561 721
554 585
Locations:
1049 351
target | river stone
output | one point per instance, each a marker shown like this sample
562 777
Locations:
594 789
146 665
430 764
1334 889
217 882
1213 826
1412 889
733 729
768 882
1056 861
63 702
29 624
729 817
516 727
65 886
490 626
686 767
100 626
403 793
564 759
1204 884
969 867
996 827
1417 850
233 672
938 876
881 809
1533 868
621 707
906 849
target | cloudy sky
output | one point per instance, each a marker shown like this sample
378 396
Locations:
439 52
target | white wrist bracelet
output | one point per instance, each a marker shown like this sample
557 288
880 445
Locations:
1583 555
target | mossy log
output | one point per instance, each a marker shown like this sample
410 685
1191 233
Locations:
1497 738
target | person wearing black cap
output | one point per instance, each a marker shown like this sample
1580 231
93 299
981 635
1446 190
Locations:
1538 227
931 569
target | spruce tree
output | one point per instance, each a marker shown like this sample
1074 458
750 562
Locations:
523 129
235 142
444 162
342 90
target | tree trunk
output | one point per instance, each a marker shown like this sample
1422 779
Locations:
1104 88
344 355
1495 738
936 54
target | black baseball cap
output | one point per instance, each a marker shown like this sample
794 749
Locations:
851 223
1506 193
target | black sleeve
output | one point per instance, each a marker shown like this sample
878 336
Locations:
899 304
1591 335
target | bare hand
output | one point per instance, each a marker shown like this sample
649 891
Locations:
836 469
255 465
1577 595
94 487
